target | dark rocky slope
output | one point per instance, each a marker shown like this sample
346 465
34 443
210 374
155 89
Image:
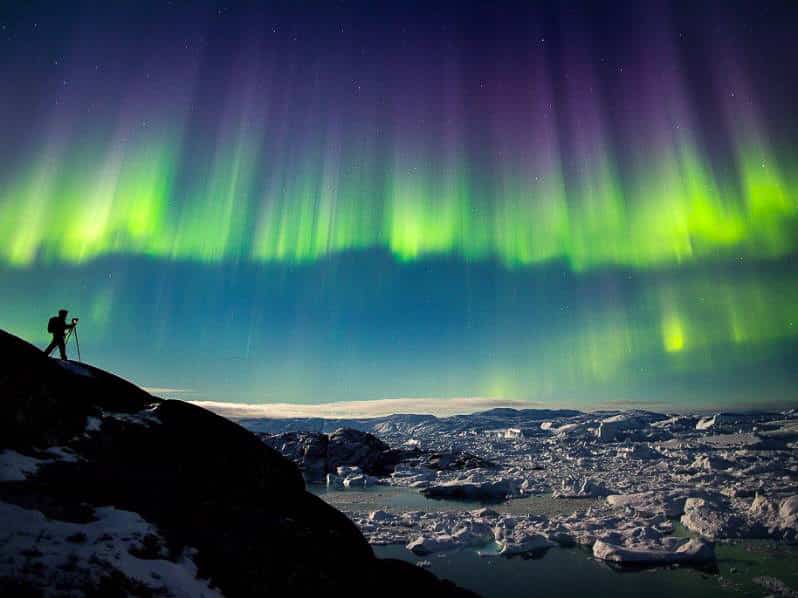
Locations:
202 480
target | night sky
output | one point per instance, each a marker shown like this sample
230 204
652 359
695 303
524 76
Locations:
583 204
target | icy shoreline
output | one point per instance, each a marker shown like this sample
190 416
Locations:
728 476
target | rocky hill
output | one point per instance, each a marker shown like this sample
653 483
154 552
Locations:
107 490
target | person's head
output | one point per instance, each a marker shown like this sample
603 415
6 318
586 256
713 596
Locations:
62 313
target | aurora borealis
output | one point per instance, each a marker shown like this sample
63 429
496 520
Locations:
578 202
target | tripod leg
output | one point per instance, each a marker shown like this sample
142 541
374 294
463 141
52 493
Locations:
77 344
66 343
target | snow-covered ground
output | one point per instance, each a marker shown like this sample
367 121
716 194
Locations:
118 549
117 552
16 467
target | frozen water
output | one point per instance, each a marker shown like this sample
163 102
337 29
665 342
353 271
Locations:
630 475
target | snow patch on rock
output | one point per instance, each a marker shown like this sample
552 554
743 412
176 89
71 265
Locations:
16 467
60 558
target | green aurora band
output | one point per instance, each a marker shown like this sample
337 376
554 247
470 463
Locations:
671 210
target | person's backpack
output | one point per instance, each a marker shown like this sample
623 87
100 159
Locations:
52 324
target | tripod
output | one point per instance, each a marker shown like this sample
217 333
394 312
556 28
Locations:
73 332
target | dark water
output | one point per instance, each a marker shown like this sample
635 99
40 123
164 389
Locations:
399 500
573 572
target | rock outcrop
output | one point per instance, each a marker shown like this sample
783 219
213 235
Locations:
319 454
208 494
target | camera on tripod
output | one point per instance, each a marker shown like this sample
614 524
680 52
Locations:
72 333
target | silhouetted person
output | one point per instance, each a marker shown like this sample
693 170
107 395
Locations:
57 326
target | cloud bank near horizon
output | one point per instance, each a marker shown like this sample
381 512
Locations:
442 407
363 409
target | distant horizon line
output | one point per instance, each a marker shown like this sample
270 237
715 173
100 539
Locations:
444 407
